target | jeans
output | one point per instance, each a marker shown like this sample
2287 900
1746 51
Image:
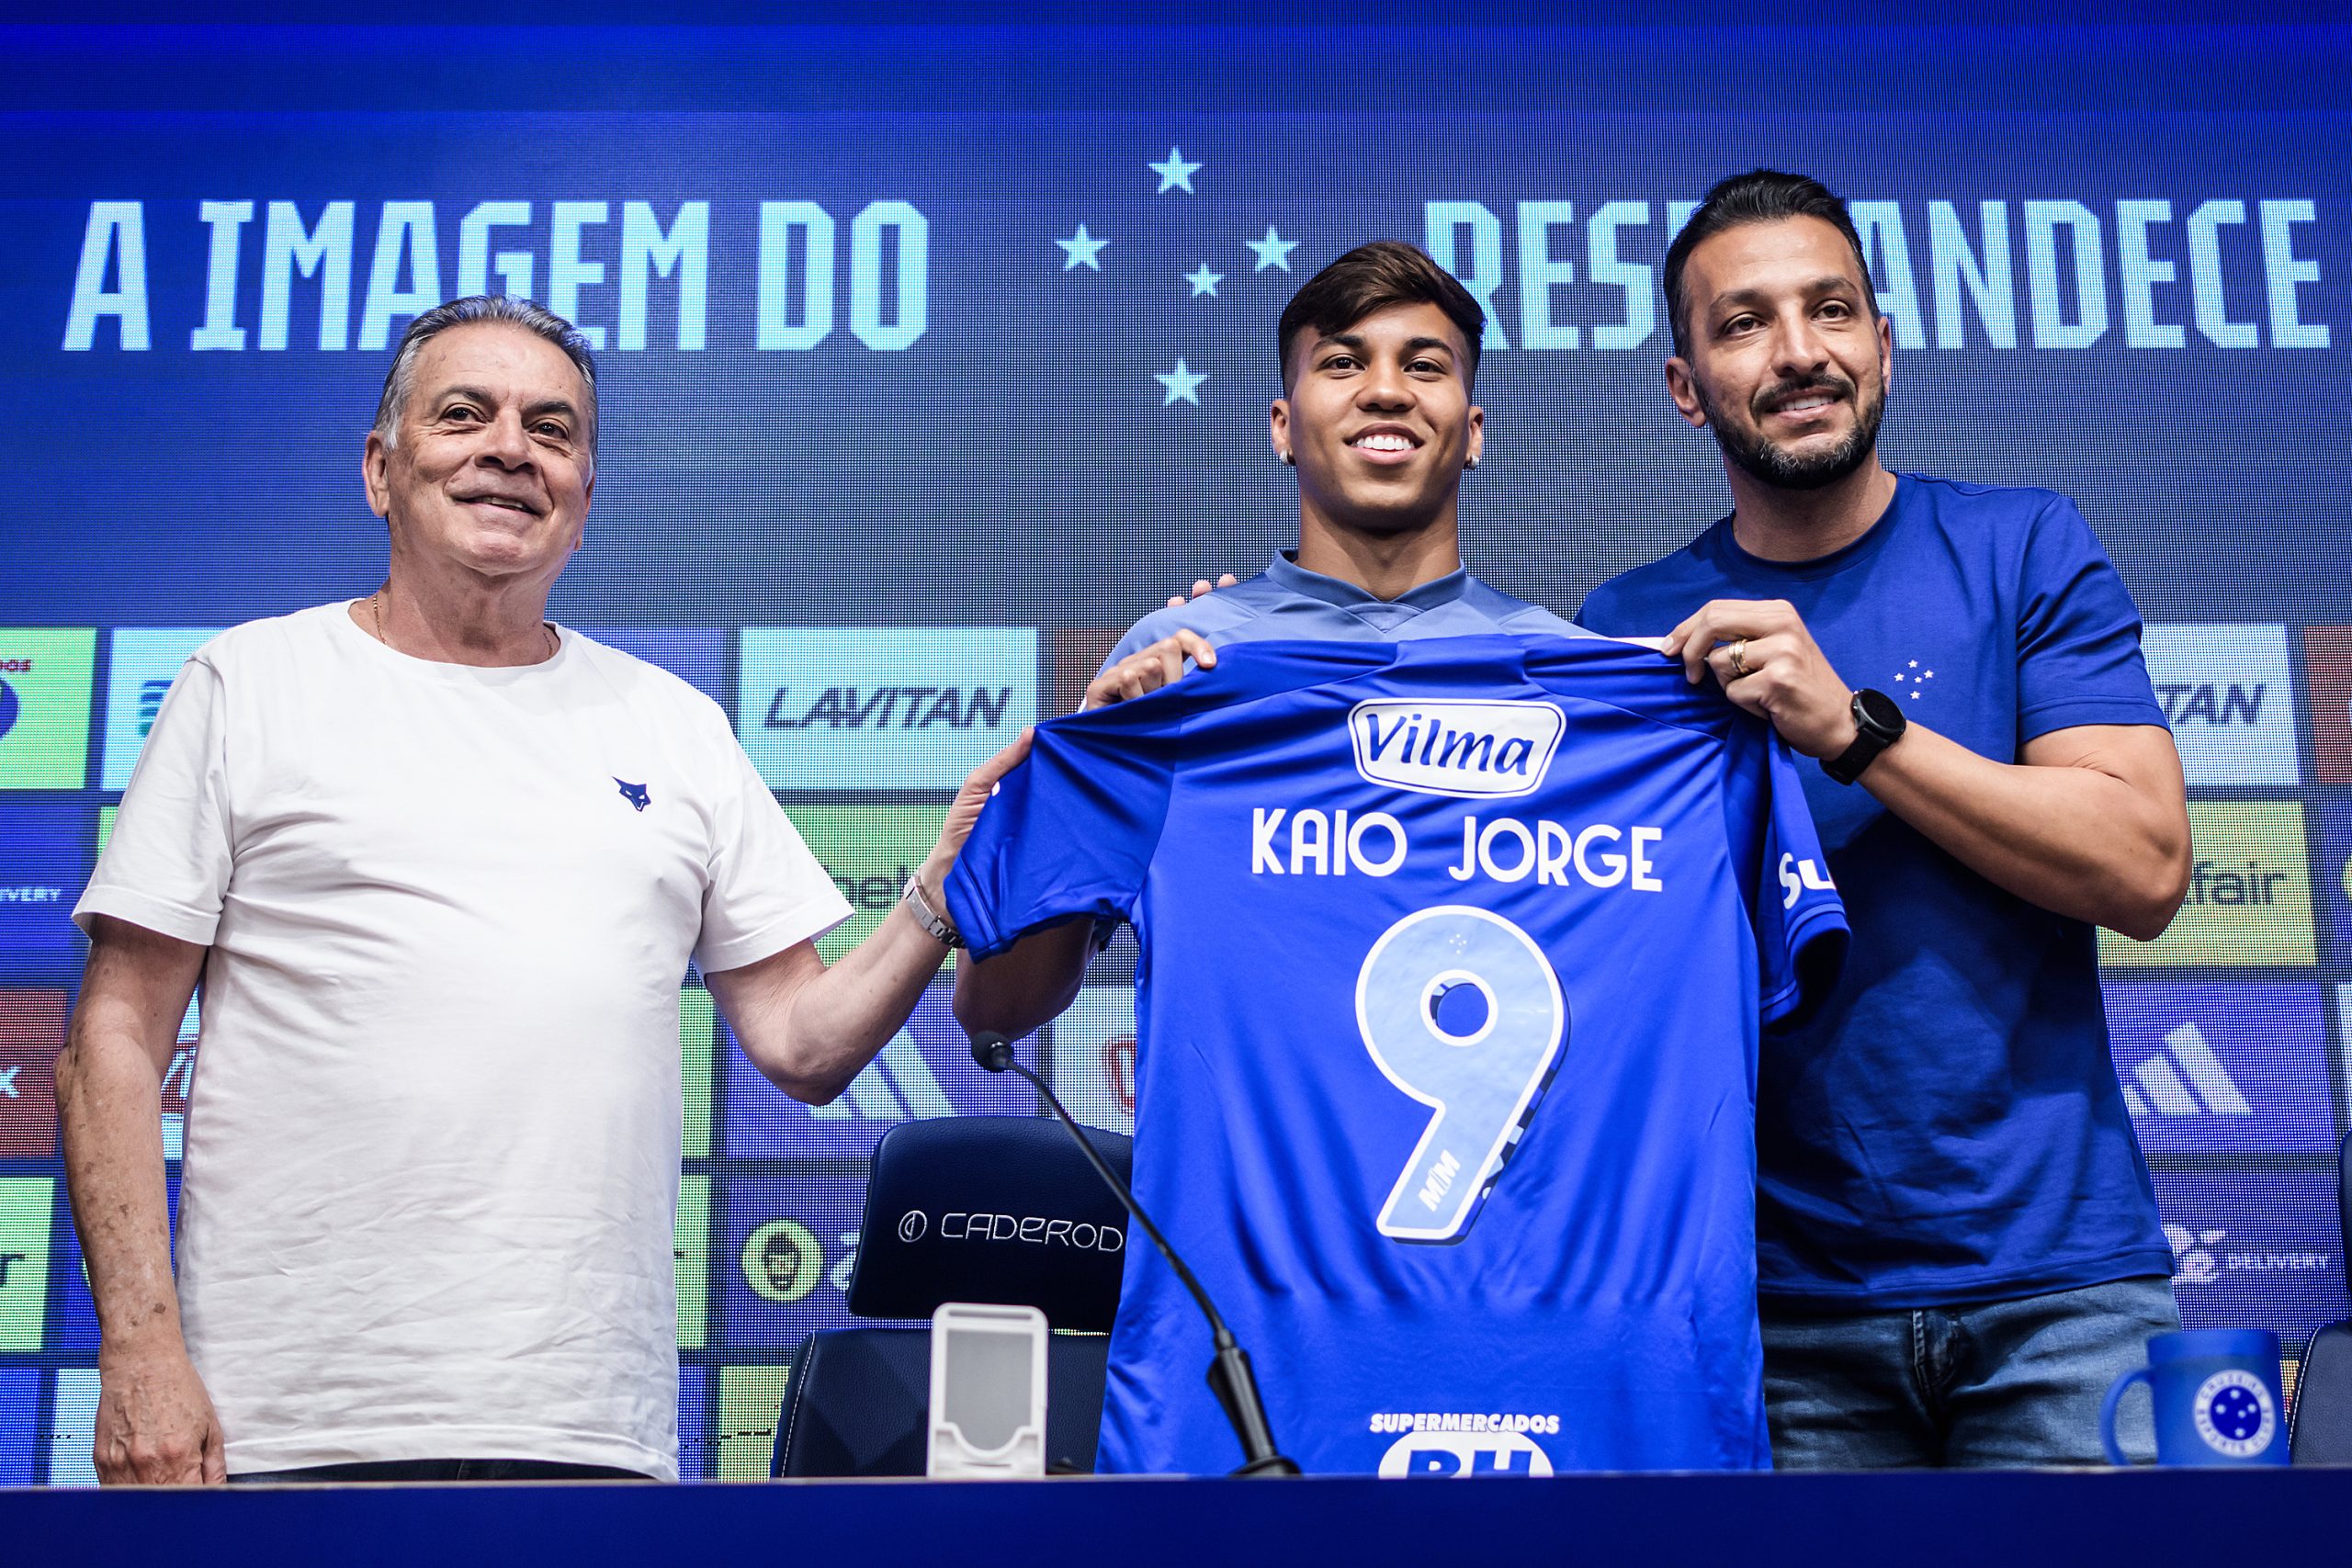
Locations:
1995 1384
435 1470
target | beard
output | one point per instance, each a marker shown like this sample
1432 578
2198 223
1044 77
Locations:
1759 458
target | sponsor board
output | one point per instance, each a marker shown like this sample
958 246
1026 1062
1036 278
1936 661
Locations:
750 1399
697 1027
784 1250
73 1429
882 708
32 1032
691 1247
2264 1253
2230 1066
926 1070
1094 1057
142 664
2249 892
179 1079
696 1454
2228 695
869 851
26 1205
696 655
2327 672
19 1419
45 676
43 871
2331 875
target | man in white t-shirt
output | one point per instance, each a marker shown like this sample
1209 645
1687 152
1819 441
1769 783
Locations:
440 866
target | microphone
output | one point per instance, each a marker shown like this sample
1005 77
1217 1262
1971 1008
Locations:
1230 1376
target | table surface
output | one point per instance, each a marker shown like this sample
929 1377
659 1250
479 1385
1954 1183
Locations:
2273 1517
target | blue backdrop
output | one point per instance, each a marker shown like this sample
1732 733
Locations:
933 354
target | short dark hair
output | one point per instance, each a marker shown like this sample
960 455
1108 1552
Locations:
401 380
1373 277
1759 196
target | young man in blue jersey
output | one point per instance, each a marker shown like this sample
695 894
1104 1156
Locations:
1379 356
1958 1241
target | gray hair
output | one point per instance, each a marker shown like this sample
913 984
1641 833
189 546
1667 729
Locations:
400 380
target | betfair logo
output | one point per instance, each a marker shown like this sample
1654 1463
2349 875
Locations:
2249 901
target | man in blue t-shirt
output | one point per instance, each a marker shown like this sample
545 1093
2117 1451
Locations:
1379 355
1957 1240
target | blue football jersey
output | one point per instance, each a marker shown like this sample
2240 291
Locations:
1454 957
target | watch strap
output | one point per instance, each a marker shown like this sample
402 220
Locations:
1870 738
935 925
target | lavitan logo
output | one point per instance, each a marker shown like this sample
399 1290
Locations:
882 708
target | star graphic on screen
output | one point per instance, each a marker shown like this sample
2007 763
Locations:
1271 251
1175 173
1081 249
1183 385
1205 281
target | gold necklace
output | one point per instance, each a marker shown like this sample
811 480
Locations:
376 615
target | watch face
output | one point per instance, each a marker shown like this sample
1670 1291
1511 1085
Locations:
1881 711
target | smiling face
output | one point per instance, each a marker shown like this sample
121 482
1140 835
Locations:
490 471
1788 364
1380 421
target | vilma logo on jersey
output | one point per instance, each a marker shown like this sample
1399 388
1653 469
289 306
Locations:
1470 749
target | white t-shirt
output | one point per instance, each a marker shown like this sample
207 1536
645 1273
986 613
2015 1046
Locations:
431 1165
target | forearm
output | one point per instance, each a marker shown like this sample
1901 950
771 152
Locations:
1027 985
109 1105
2076 840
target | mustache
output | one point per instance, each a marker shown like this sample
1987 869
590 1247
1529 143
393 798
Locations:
1786 392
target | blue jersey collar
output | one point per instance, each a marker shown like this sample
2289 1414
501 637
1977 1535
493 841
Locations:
1285 574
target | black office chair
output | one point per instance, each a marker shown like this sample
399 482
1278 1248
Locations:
2321 1431
997 1209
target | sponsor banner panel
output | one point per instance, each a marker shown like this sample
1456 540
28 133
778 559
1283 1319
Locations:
26 1205
786 1246
926 1070
2263 1252
73 1427
696 655
2327 668
142 664
2228 694
43 871
32 1032
45 677
179 1081
1094 1057
19 1419
869 851
749 1401
696 1452
882 708
2331 875
691 1249
2223 1067
697 1026
1076 657
2249 892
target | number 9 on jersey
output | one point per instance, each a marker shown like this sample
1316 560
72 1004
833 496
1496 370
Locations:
1463 1011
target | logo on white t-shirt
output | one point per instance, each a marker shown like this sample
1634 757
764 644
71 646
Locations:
636 795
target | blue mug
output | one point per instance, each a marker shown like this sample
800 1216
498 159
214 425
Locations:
2217 1398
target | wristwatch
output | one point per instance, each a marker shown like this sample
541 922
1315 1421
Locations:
1880 722
937 926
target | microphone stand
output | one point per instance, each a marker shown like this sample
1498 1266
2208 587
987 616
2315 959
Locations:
1230 1376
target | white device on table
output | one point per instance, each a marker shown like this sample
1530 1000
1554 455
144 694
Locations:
987 1390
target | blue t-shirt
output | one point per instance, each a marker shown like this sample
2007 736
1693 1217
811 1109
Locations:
1287 602
1407 911
1948 1129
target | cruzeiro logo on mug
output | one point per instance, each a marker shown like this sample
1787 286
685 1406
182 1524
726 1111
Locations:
2233 1414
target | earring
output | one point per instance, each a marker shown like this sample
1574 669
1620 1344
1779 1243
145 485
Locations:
1287 460
1470 464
